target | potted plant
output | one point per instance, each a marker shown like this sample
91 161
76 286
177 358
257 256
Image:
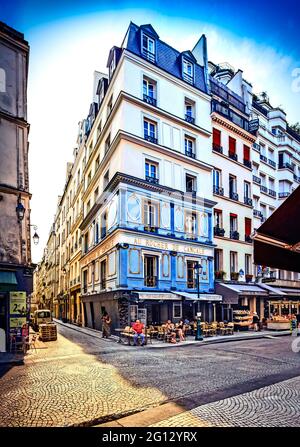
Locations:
220 274
249 278
234 276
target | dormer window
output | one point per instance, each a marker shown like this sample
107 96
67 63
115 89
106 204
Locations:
148 48
188 71
112 65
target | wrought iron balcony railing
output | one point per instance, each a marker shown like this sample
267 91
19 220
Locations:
247 163
148 55
190 154
151 179
217 148
233 156
149 100
189 119
150 138
248 201
256 179
218 190
150 281
234 195
218 231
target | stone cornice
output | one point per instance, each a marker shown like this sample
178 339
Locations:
231 126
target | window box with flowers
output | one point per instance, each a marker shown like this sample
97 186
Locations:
248 278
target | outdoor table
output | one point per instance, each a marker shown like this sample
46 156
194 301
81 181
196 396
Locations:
119 330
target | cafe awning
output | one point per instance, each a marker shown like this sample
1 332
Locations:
8 277
232 292
158 296
273 290
277 240
204 297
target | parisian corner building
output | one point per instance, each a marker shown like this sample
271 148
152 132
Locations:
175 166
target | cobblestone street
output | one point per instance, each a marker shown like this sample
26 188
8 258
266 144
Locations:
83 380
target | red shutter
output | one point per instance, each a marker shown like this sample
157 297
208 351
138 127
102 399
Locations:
216 137
232 142
247 226
246 153
233 215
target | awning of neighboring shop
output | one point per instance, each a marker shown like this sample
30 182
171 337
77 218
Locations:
272 290
289 291
158 296
277 240
203 296
232 292
8 277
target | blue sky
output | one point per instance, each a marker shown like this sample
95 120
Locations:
70 39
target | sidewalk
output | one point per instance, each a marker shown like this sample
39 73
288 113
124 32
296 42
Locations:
237 336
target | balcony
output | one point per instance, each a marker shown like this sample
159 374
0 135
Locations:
272 193
247 163
190 119
150 229
282 195
150 179
149 100
263 158
285 165
297 179
256 146
257 213
223 110
218 231
217 148
234 195
248 238
218 190
256 179
233 156
248 201
148 55
263 189
272 163
218 90
190 154
188 78
150 281
234 235
150 138
191 236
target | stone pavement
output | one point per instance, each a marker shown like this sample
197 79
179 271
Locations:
276 405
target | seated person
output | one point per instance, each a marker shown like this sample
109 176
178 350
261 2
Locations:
138 329
170 330
179 328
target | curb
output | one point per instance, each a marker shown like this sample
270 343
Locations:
115 338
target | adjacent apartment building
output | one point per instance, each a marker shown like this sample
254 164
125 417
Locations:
163 187
16 268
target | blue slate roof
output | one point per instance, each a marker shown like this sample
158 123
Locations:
167 58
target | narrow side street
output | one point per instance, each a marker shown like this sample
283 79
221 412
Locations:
81 380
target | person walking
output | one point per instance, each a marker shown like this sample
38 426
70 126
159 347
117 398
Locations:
106 323
255 321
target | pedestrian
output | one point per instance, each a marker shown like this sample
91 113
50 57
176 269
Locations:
255 321
106 323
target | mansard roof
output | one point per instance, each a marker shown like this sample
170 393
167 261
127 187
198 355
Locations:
167 58
149 30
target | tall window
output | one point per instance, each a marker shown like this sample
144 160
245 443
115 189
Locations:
248 265
103 274
188 72
109 105
107 143
233 226
106 179
149 91
216 139
218 260
150 271
246 153
217 177
148 48
232 146
190 183
150 131
151 171
85 280
232 187
189 107
189 145
233 261
247 190
191 280
218 218
248 229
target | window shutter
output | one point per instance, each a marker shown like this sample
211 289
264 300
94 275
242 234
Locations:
246 153
247 226
216 137
232 142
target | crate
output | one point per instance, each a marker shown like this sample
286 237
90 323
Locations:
47 332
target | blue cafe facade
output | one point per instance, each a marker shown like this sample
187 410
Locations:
141 243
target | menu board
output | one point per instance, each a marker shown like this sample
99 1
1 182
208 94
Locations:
17 303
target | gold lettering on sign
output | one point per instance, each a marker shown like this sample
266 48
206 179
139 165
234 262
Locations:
157 244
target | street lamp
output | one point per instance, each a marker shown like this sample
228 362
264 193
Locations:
20 210
35 237
198 268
